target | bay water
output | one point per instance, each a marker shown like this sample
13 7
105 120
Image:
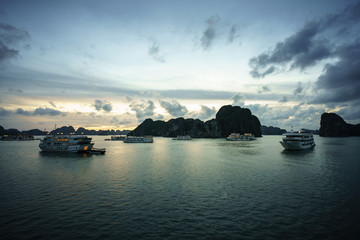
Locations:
199 189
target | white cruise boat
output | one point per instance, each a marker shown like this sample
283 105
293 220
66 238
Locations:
66 143
136 139
240 137
297 140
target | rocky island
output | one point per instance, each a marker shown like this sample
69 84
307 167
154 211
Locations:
332 125
228 119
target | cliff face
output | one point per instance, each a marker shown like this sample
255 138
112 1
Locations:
332 125
237 119
179 126
228 119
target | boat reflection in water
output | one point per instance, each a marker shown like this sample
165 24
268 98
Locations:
183 137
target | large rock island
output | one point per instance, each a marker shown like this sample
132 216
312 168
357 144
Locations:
228 119
332 125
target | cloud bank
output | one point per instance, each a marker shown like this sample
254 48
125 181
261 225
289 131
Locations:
11 37
102 105
174 108
309 45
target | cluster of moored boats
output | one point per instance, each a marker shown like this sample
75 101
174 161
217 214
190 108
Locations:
70 143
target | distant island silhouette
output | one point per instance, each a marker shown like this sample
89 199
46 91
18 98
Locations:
228 119
332 125
66 130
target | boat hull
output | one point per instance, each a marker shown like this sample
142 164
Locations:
72 148
240 139
296 145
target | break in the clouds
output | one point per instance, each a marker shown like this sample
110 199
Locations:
309 45
102 105
10 38
174 108
154 51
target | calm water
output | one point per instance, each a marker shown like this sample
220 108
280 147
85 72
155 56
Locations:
200 189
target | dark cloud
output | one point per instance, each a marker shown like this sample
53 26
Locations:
233 34
256 74
143 110
283 99
52 104
4 112
154 51
210 33
11 36
204 113
264 89
298 89
301 50
306 47
48 111
21 111
350 112
340 81
15 90
121 120
174 108
40 111
238 99
7 53
102 105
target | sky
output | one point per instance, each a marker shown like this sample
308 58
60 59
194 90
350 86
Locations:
111 64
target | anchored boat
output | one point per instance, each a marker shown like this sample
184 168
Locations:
136 139
68 144
297 140
240 137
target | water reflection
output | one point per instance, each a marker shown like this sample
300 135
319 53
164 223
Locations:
67 155
297 153
251 148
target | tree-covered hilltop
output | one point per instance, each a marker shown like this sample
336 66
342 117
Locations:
228 119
